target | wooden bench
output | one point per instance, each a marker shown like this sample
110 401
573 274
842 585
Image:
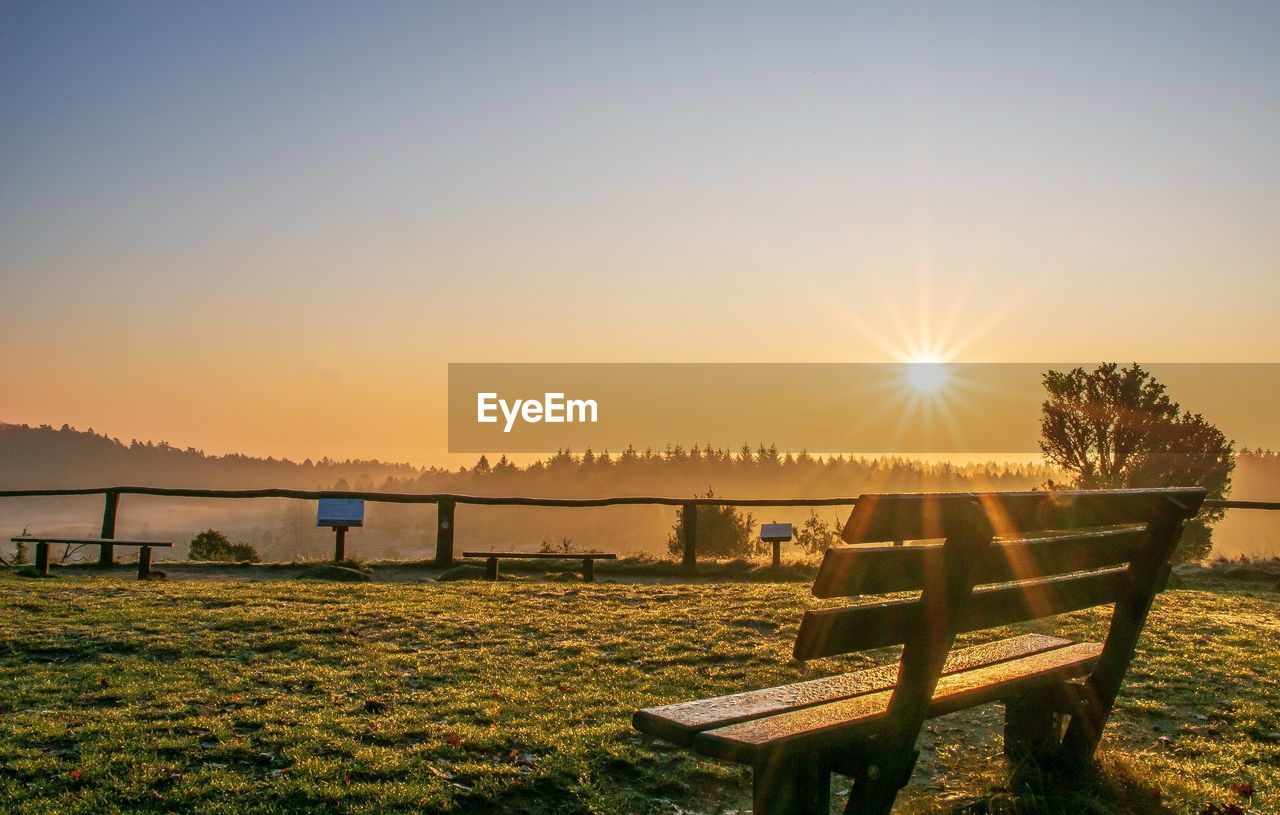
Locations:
42 549
1030 555
588 560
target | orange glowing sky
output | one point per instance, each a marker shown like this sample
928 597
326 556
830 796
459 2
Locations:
269 230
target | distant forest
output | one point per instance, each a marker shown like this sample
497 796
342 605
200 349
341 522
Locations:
44 456
35 457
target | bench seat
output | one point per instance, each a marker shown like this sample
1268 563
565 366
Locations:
681 722
743 726
42 543
814 728
588 560
545 555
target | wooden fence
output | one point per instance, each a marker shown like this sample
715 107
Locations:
447 504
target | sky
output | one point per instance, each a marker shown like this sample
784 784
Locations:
269 227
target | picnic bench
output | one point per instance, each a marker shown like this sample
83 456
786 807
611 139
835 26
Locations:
42 549
985 561
588 560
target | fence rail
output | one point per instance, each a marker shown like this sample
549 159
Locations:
447 502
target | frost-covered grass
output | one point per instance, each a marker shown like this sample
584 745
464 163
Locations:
284 696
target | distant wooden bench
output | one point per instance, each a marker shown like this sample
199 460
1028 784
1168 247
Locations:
42 549
1039 554
588 560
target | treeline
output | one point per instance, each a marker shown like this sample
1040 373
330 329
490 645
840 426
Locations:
44 456
761 472
33 457
1257 476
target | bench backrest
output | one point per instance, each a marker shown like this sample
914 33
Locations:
992 559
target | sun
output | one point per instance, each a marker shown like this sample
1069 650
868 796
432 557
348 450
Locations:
926 374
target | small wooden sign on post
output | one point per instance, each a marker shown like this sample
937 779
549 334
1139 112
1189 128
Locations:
341 514
777 534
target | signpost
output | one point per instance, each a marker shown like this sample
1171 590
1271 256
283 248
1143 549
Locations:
341 514
777 534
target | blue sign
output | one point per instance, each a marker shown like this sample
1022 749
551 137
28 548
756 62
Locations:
775 532
340 512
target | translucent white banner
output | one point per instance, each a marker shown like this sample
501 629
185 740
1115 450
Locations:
908 408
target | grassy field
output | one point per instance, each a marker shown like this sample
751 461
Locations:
469 697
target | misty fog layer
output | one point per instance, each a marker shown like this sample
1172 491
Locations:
33 458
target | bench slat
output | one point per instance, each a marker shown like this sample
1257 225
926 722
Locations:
878 518
851 571
679 723
820 726
90 541
546 555
827 632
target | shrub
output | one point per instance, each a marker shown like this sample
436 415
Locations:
723 532
213 545
816 536
565 545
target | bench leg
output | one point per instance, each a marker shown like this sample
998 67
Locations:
144 562
874 791
1088 716
491 569
1031 726
42 559
588 570
798 785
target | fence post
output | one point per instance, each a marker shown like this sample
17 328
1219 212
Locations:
444 532
107 553
339 544
689 525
